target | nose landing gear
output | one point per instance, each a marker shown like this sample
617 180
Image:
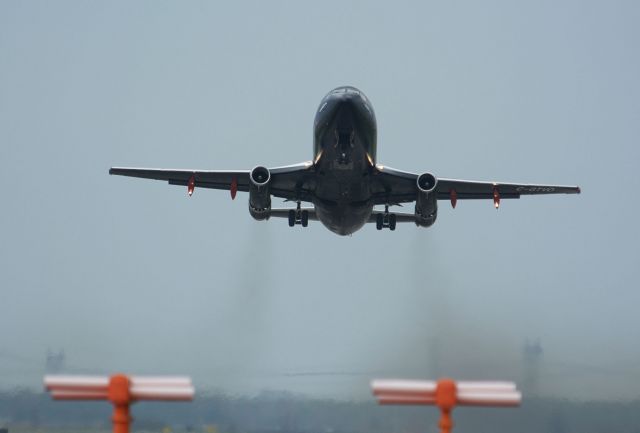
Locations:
344 144
298 216
386 219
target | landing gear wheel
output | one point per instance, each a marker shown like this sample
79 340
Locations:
379 221
304 218
392 222
292 218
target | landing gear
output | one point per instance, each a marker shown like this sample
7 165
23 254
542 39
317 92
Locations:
292 218
379 221
392 222
386 219
298 216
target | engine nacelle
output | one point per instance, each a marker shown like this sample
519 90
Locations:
427 201
259 196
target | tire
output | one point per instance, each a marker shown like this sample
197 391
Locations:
292 218
379 221
304 218
392 222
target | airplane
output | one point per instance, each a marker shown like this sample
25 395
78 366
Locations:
343 181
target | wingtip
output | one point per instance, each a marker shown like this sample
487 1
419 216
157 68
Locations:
578 189
111 170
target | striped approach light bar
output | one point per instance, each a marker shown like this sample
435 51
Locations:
446 394
121 391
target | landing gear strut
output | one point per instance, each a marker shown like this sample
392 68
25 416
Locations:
386 219
298 216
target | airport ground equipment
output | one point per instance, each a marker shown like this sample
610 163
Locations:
446 394
121 390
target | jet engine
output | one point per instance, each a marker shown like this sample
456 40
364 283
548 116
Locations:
259 196
427 202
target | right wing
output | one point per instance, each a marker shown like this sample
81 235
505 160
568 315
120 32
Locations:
469 189
391 186
292 182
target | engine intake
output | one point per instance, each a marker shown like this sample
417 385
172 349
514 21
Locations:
427 201
259 195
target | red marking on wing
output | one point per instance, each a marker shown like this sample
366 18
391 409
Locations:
191 185
234 188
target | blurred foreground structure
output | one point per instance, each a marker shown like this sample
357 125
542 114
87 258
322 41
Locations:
446 394
26 411
121 391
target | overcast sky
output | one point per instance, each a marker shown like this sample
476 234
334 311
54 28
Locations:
129 274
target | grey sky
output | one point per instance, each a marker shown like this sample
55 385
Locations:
510 91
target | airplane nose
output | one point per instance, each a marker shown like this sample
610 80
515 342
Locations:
341 102
348 98
345 113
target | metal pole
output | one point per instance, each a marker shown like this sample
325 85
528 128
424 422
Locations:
121 418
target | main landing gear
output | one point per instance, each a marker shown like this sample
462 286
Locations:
386 219
298 216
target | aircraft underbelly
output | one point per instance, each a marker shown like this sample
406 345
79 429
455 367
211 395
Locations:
343 218
344 145
343 200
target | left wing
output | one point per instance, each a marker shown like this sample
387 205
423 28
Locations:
292 182
392 186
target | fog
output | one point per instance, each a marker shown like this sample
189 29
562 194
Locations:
132 275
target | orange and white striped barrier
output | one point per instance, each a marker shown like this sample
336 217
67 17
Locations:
121 391
446 394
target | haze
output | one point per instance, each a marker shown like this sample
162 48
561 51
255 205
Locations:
131 275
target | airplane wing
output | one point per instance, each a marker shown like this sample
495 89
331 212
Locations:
292 182
394 187
467 189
